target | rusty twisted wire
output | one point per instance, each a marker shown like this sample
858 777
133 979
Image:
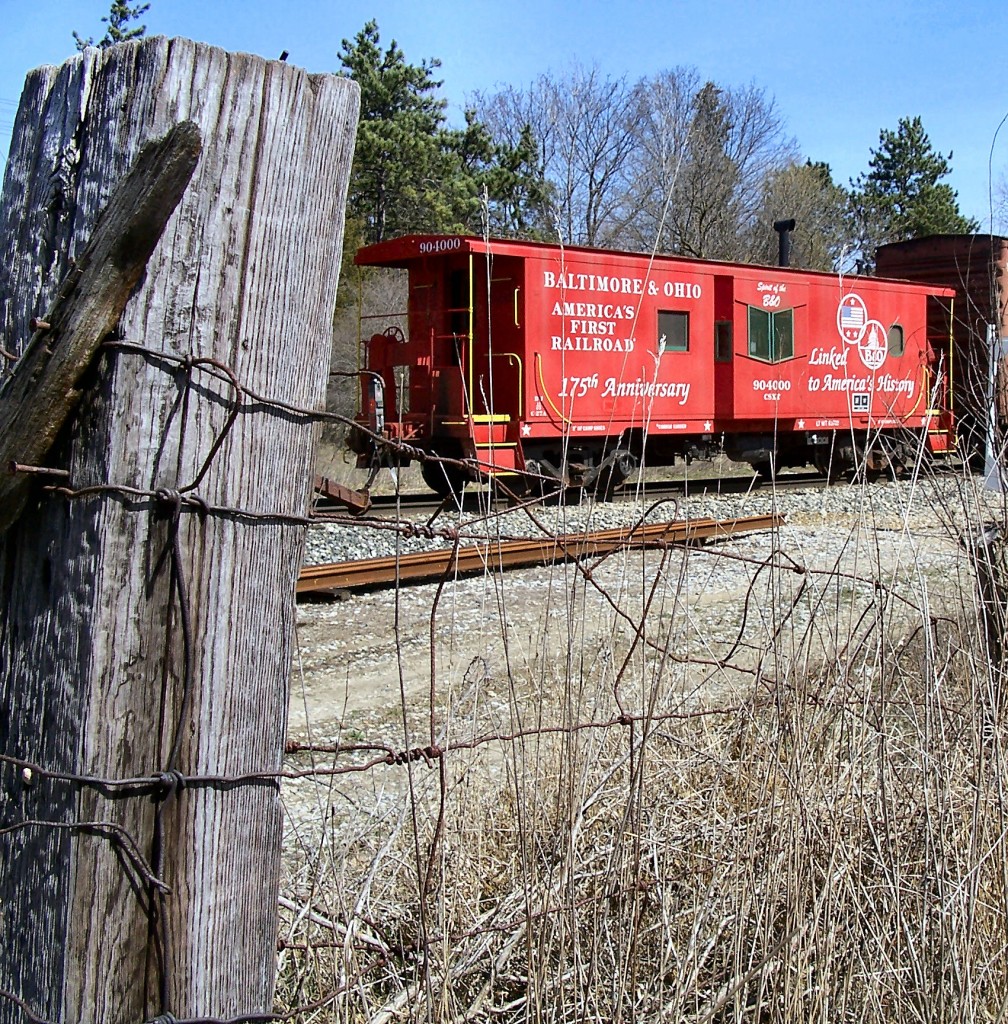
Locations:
170 782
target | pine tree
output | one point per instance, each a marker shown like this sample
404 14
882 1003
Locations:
394 183
902 196
119 17
519 195
412 173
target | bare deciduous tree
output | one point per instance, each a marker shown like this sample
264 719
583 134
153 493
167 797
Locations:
585 125
807 193
703 155
672 162
664 118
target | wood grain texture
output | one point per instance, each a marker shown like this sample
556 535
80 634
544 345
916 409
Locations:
91 649
43 388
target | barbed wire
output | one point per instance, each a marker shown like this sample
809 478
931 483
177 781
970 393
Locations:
169 782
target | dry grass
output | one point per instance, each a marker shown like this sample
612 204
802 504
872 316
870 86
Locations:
800 819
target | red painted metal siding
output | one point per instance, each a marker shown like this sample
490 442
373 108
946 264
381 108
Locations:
593 346
841 370
568 340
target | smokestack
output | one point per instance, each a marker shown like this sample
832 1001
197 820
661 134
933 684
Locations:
784 229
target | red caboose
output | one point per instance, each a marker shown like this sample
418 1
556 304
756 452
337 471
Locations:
572 365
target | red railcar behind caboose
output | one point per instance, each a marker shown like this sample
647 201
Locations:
976 267
569 366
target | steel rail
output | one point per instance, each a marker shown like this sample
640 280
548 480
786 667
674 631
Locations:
329 494
512 554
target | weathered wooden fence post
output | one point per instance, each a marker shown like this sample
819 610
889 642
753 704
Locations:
147 609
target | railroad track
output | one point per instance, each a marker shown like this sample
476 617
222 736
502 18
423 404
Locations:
428 565
709 485
477 499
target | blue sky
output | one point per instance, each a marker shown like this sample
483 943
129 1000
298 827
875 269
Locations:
838 72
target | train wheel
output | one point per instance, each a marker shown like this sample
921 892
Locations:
831 469
605 484
605 487
443 478
869 466
615 470
838 463
870 474
549 491
510 488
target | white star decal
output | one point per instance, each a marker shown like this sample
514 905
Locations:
800 424
526 429
707 425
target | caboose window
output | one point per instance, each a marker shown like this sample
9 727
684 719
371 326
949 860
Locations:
723 341
771 334
895 345
673 331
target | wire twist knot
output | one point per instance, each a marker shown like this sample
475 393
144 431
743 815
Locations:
171 782
169 502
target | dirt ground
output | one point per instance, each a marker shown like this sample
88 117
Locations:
364 665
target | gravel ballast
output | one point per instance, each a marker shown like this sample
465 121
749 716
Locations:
941 505
363 659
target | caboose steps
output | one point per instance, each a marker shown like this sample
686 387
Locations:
497 457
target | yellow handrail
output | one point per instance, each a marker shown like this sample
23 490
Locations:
542 390
924 389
